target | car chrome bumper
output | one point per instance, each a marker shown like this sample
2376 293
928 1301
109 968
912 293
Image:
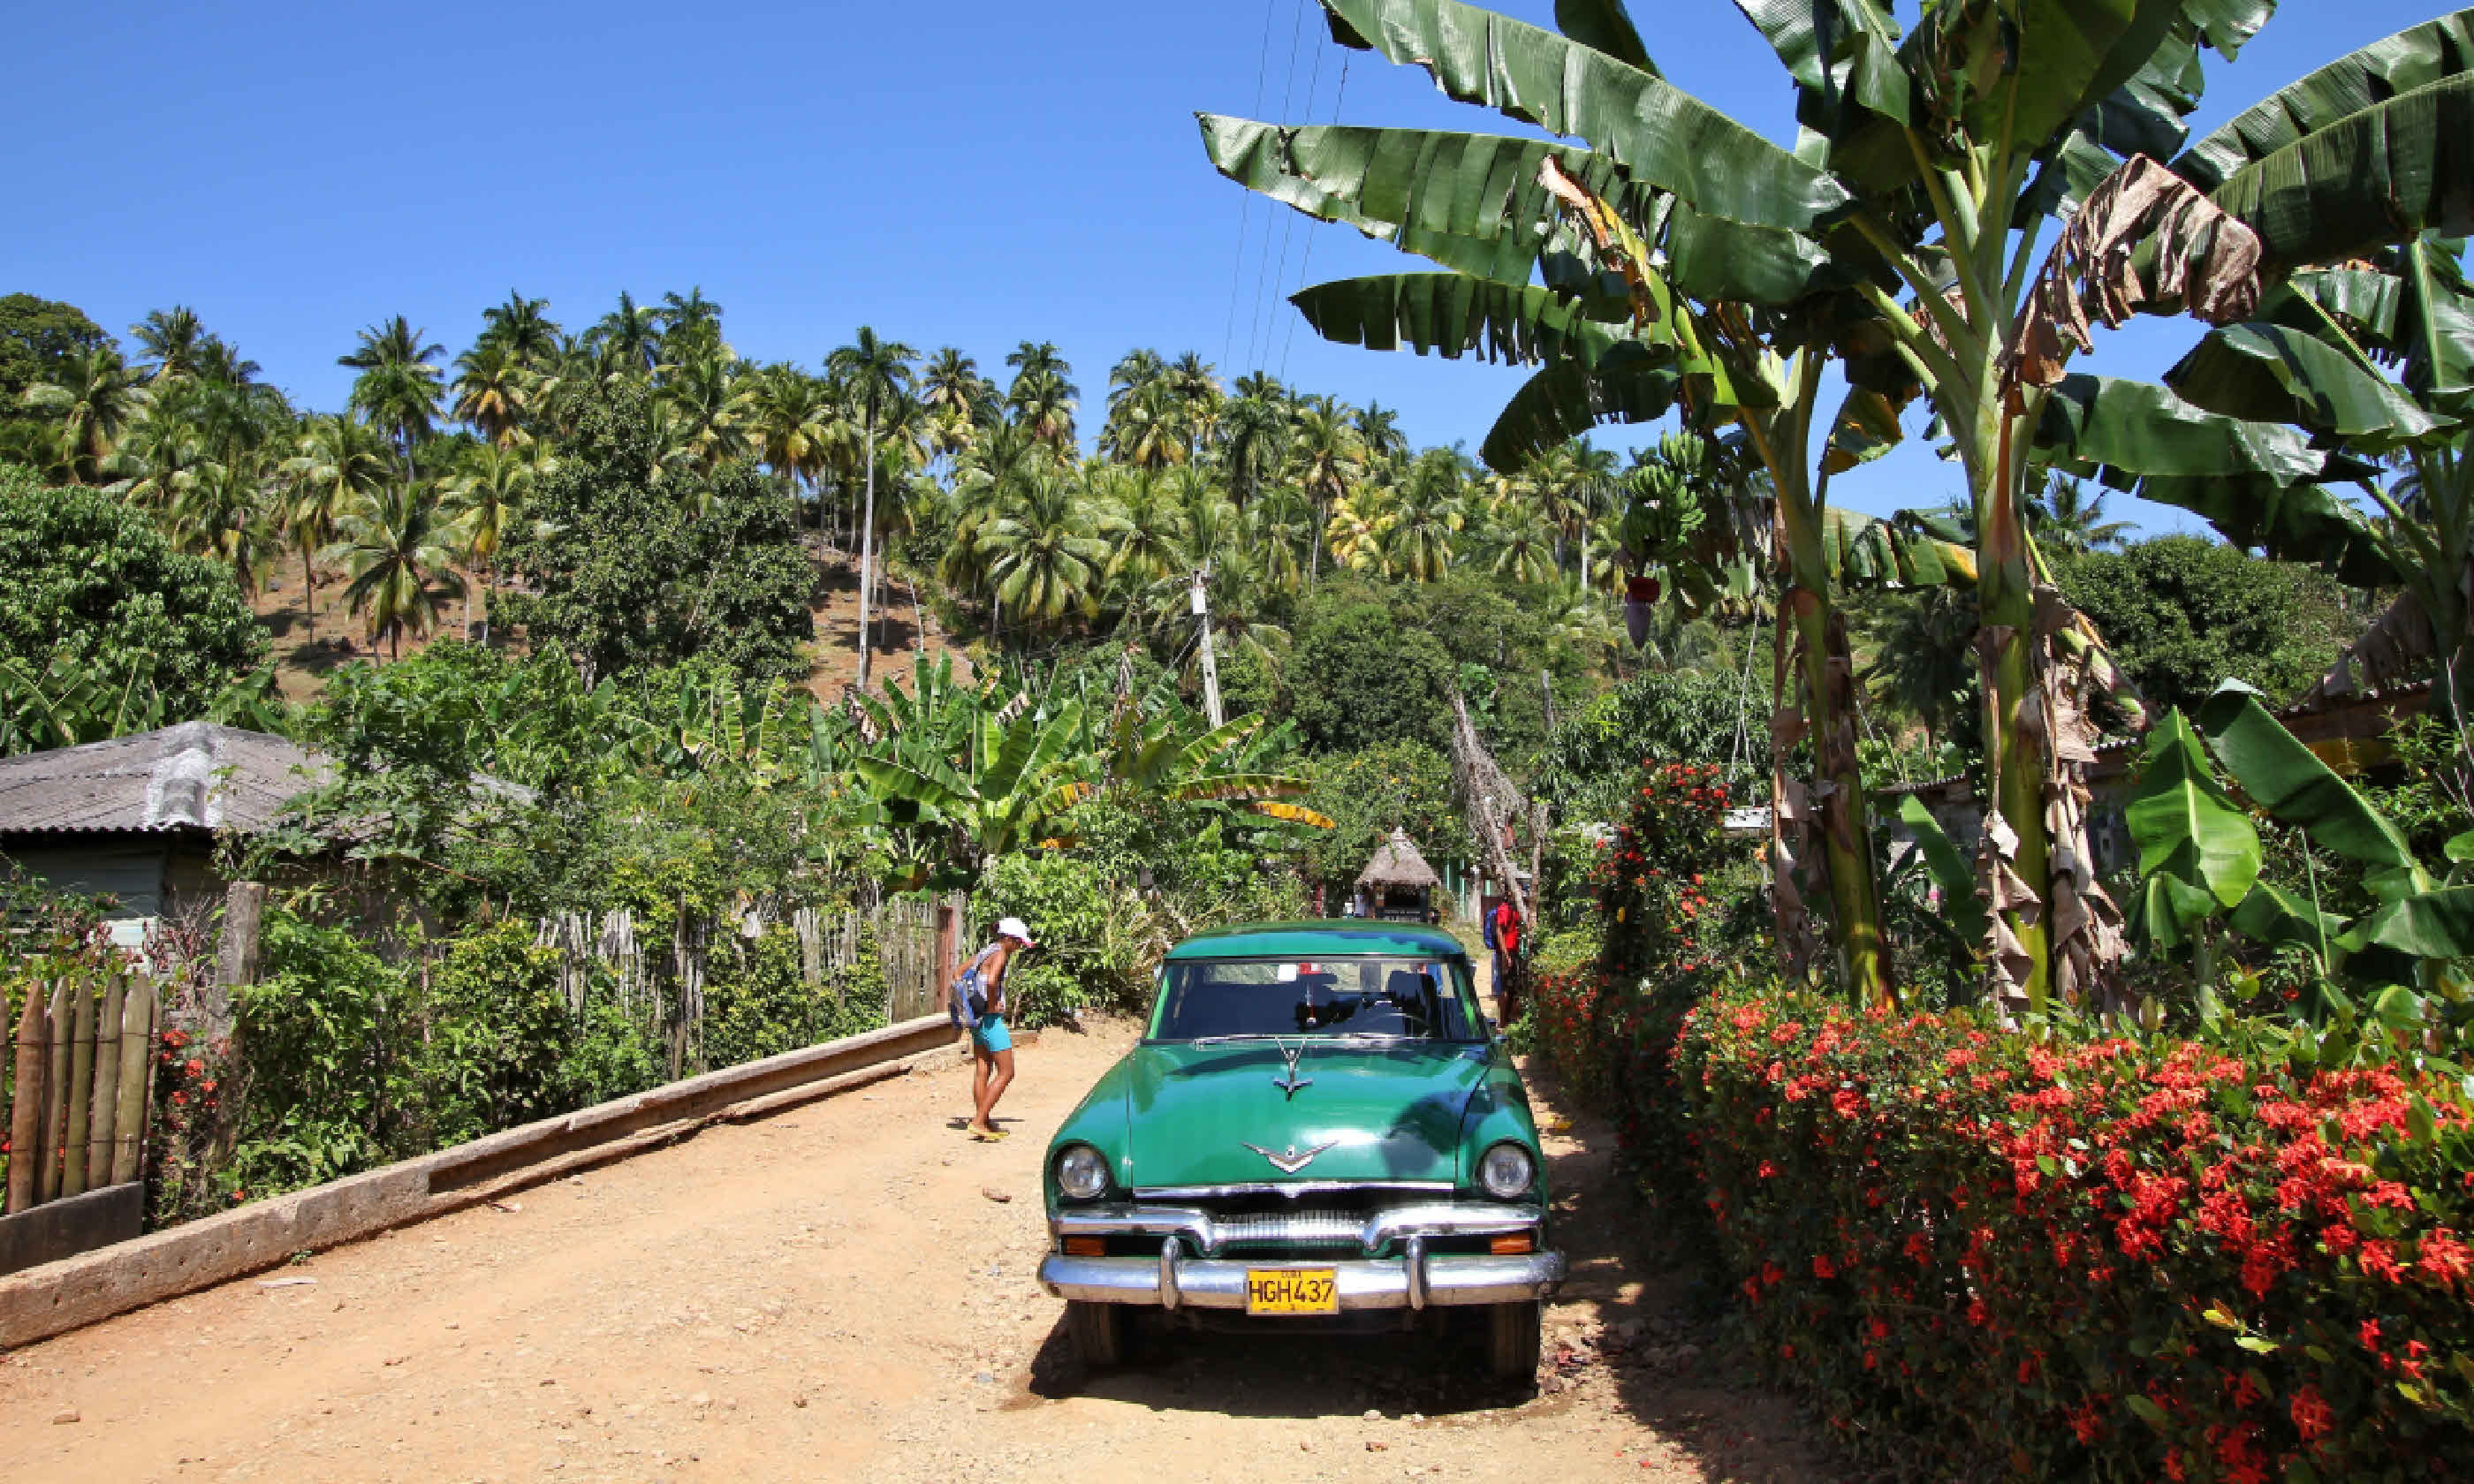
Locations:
1286 1232
1414 1282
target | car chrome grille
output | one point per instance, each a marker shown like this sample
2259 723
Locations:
1289 1228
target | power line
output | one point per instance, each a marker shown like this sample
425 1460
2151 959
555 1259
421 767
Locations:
1338 94
1246 196
1289 223
1262 282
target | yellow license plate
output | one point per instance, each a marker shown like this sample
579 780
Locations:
1292 1291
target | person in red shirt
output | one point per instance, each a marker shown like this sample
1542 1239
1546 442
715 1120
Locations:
1503 935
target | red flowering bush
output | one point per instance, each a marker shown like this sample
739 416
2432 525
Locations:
1607 1026
2138 1260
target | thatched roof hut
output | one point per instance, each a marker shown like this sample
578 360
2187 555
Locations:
1397 866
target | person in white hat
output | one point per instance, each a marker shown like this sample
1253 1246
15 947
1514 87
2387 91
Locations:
981 1004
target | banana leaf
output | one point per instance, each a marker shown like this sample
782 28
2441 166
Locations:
1633 383
2385 174
2398 63
1452 314
2136 428
2272 916
1661 135
1865 551
1473 203
2185 825
2302 522
1840 53
2270 374
2289 782
1470 202
1950 870
2427 925
1604 25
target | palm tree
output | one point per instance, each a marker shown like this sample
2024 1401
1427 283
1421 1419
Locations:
690 325
485 498
1379 432
706 404
874 374
341 465
398 387
1043 403
1521 541
223 514
1145 429
1136 511
631 335
220 362
169 340
489 391
1254 433
395 549
2066 521
1924 659
1043 555
1428 517
1199 398
96 397
1138 370
1327 456
787 417
157 462
523 329
958 397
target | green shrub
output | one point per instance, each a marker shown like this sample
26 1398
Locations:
757 1002
330 1045
2092 1258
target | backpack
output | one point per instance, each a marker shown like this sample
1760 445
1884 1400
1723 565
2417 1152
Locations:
967 998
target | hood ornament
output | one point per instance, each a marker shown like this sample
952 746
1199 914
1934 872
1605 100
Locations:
1290 1160
1291 1081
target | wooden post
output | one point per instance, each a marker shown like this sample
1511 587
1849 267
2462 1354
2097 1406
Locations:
26 1118
136 1075
237 951
103 1122
56 1091
79 1087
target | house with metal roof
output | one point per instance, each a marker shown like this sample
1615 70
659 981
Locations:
136 819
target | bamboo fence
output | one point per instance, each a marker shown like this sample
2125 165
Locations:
82 1084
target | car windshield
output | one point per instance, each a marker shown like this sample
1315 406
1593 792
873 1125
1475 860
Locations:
1388 998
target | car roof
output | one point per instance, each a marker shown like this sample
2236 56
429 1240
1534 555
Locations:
1336 938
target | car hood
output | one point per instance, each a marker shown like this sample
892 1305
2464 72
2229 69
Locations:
1388 1112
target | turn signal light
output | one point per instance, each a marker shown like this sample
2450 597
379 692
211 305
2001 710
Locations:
1512 1246
1098 1247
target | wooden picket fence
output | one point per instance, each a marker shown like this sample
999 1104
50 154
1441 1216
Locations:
84 1080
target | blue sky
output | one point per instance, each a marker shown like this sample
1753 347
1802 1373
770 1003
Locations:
971 173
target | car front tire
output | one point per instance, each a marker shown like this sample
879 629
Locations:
1098 1332
1513 1340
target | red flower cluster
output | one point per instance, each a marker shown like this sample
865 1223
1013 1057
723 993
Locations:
2154 1260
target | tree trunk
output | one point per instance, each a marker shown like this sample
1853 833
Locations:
2017 857
866 541
1823 670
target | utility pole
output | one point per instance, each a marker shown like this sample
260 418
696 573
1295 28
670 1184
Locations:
1210 666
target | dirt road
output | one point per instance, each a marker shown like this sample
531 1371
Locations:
838 1292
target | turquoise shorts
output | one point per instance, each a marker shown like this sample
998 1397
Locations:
990 1034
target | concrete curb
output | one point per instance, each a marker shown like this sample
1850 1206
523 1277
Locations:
57 1297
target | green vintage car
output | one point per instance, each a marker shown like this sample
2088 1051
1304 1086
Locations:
1320 1127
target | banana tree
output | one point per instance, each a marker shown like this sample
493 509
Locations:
1682 260
2374 357
2402 961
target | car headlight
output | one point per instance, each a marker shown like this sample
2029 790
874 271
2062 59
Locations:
1081 1172
1506 1171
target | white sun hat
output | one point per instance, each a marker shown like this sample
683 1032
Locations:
1015 927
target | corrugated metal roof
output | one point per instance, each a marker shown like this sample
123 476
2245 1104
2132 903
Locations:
196 776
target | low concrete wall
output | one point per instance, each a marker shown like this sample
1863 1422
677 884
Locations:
56 1297
74 1224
